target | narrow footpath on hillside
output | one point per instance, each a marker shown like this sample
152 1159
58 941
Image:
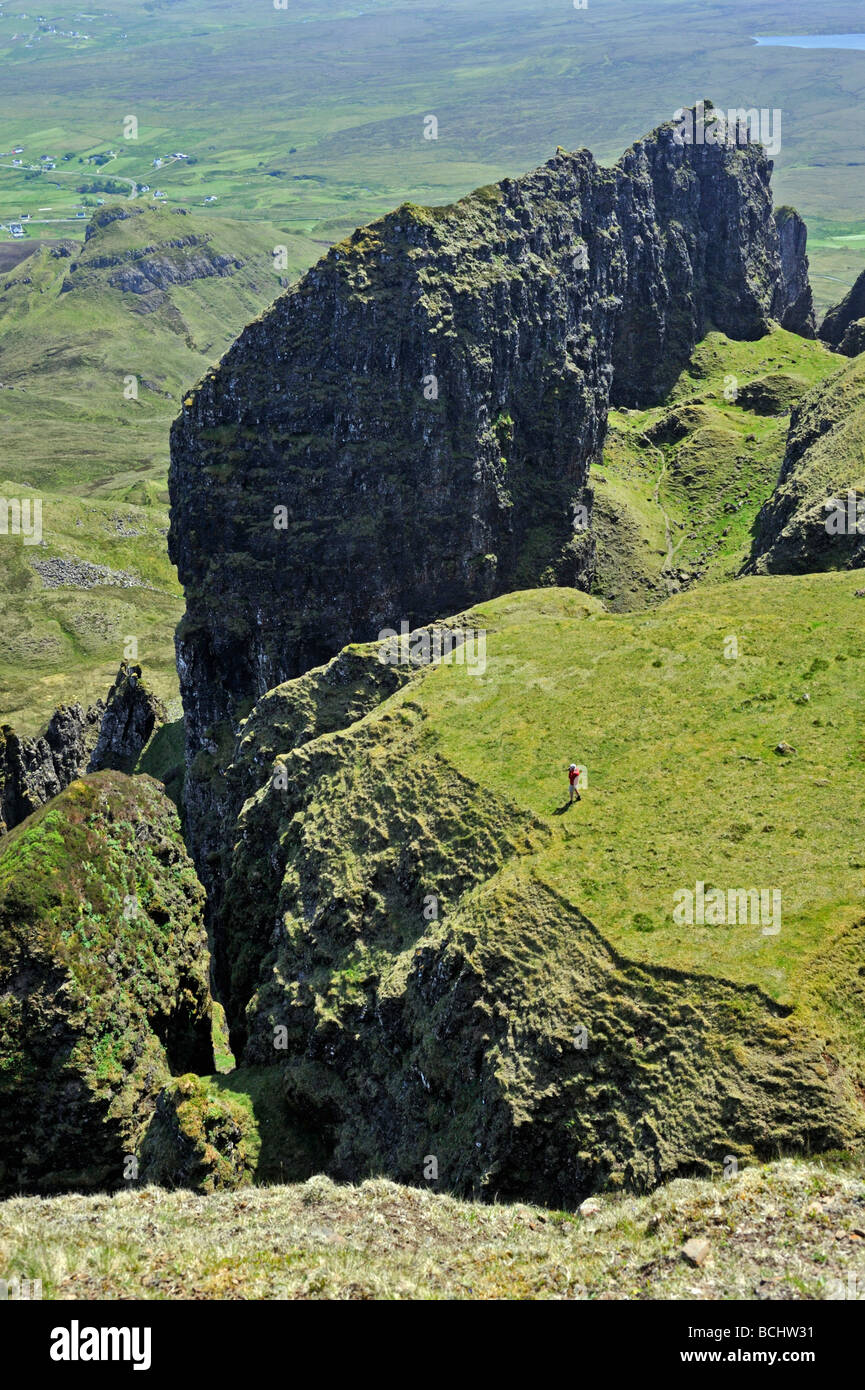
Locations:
656 493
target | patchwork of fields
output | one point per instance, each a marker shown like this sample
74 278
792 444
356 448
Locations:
315 121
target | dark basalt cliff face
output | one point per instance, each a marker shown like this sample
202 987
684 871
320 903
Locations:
409 429
843 328
793 305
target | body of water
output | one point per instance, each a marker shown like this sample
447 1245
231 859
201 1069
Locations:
815 41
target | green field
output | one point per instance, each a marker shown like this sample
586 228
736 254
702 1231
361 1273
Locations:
312 117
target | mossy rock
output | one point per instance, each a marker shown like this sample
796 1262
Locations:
772 395
199 1139
103 981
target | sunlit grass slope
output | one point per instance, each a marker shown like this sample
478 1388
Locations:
679 739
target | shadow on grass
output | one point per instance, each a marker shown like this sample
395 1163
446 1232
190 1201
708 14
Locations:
290 1150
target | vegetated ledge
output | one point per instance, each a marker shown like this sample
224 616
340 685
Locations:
502 1035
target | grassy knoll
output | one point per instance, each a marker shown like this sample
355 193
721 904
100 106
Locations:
720 733
784 1231
684 782
680 486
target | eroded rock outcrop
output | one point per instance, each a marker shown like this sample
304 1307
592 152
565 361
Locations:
32 770
843 328
793 304
815 518
409 429
178 259
110 734
103 981
131 714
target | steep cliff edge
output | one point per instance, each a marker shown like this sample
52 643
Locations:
103 982
437 961
409 429
843 328
815 518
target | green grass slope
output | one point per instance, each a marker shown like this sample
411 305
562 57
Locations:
680 486
68 606
144 306
457 1033
679 741
154 295
785 1231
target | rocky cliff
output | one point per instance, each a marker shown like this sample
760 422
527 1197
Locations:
103 982
793 304
132 712
409 429
110 734
843 328
815 518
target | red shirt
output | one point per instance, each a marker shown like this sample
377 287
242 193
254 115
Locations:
573 774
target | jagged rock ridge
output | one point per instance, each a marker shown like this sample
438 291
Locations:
110 734
843 328
409 429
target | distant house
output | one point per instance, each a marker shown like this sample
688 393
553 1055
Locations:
145 188
211 198
157 163
159 194
16 163
16 229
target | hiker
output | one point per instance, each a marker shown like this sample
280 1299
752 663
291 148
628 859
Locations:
574 779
